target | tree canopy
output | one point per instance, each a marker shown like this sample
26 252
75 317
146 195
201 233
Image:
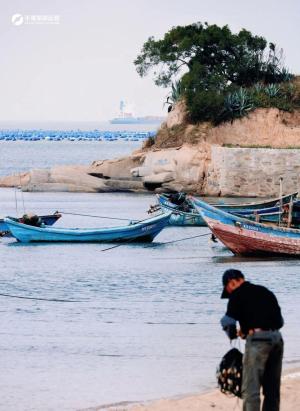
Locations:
212 60
210 52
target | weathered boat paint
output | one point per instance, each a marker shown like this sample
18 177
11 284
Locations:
245 237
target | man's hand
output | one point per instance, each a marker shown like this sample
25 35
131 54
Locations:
240 334
231 331
229 326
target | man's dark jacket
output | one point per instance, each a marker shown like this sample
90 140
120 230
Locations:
254 306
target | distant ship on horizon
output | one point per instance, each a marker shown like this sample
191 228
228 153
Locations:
127 117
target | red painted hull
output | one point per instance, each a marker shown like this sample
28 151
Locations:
246 242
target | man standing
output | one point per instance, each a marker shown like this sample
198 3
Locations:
259 316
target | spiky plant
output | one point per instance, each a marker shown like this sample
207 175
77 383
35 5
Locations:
272 90
175 94
236 104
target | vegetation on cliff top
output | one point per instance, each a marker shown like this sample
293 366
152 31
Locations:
221 75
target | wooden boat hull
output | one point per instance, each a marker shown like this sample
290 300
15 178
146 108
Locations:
245 237
49 219
141 231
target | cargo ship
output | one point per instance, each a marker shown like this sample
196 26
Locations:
127 117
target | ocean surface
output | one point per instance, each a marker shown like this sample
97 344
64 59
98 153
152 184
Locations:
18 156
144 321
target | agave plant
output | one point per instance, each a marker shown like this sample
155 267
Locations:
258 88
285 75
272 90
237 104
175 94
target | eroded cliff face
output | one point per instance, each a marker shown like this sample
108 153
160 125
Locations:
261 128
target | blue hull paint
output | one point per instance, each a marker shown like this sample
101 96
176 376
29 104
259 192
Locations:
267 211
46 219
181 218
144 230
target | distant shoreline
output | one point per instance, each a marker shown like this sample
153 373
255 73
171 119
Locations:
75 125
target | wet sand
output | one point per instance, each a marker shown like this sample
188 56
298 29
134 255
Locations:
214 400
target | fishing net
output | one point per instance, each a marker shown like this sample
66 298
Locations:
229 373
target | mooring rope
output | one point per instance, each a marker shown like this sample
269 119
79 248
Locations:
97 216
157 244
41 299
176 241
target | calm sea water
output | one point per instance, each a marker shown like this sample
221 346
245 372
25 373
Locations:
146 320
17 156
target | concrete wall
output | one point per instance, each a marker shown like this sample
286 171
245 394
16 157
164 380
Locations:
252 172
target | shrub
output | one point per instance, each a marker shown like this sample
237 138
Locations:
205 105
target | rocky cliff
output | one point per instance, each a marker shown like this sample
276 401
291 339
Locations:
230 159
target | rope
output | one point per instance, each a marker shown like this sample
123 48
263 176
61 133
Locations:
97 216
119 245
156 244
16 202
109 218
41 299
177 241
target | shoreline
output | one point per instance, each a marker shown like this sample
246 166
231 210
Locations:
208 400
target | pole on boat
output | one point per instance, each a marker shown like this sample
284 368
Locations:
280 201
256 216
290 216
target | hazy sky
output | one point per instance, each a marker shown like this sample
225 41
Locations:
82 67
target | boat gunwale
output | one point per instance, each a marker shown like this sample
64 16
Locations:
234 217
88 231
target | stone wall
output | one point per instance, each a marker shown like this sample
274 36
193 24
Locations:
250 172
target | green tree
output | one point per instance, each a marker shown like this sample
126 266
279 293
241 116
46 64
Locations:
204 49
210 62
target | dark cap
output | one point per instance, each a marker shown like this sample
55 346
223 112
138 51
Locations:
227 276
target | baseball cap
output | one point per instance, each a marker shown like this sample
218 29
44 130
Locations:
227 276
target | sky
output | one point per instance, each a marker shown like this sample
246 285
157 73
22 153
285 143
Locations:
79 68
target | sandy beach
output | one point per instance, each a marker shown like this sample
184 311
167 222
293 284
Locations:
214 400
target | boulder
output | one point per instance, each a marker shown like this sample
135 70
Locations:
76 175
116 169
15 180
158 178
39 175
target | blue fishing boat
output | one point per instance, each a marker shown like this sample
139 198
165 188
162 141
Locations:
184 213
185 210
246 237
49 219
140 231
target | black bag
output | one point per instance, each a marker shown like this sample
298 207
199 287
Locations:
229 373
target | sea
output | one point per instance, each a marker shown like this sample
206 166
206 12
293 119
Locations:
86 325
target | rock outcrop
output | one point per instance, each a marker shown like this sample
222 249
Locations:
60 178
